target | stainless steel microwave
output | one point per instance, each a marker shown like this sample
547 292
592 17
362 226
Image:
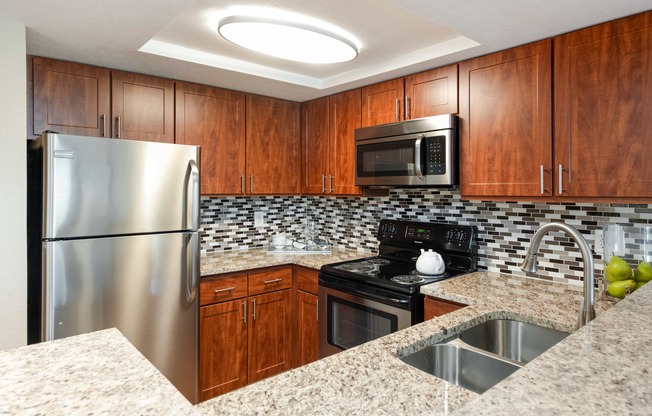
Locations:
419 152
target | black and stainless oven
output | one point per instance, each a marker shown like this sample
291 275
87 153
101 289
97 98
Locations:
419 152
361 300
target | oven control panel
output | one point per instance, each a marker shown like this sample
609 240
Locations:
428 235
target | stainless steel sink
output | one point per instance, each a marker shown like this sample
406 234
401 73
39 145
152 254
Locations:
516 340
485 354
472 370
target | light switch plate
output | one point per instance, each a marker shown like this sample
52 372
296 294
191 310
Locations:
259 218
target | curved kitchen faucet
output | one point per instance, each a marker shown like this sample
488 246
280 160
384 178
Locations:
587 311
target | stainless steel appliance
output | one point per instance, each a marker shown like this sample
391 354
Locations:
361 300
419 152
113 242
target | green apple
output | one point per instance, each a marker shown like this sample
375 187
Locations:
618 289
643 272
617 270
639 284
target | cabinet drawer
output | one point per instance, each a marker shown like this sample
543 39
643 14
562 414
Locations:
222 287
269 280
307 279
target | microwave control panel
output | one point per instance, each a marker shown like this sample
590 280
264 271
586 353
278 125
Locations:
436 155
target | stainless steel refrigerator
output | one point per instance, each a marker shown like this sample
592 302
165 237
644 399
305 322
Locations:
113 242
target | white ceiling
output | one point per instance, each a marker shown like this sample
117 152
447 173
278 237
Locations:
397 37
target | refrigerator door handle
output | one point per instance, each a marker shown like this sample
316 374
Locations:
192 203
192 272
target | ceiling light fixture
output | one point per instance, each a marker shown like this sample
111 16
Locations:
294 41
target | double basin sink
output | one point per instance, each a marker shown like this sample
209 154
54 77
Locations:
485 354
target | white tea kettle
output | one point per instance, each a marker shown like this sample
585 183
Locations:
430 262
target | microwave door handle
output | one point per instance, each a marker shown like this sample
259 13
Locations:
417 157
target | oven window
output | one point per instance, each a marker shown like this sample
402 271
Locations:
352 324
386 159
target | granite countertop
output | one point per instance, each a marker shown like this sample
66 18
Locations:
603 368
96 373
239 260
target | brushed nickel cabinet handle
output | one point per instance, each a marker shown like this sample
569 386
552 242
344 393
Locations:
254 313
407 107
103 120
251 183
323 184
118 127
244 312
330 184
267 282
317 310
242 183
561 184
541 177
398 105
226 289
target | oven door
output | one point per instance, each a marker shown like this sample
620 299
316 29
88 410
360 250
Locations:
350 317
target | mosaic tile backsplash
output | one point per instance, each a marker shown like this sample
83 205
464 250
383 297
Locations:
504 228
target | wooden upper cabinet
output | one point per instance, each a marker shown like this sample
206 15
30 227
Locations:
273 146
603 97
382 103
214 119
506 123
431 93
314 139
345 117
142 107
70 98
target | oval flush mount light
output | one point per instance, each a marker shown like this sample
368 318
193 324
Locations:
288 40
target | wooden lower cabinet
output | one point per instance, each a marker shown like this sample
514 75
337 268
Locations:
433 307
307 328
223 348
270 334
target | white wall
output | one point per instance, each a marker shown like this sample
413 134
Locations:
13 254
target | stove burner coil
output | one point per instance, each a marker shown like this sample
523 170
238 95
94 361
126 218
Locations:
378 261
359 267
408 279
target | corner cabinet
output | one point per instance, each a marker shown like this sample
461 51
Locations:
272 146
214 119
506 123
327 134
602 94
424 94
433 307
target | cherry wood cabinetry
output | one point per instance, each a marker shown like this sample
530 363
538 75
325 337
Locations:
603 97
86 100
307 319
424 94
70 98
431 93
383 103
214 119
142 107
433 307
273 146
245 328
328 127
506 123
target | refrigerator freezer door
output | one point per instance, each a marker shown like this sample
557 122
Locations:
144 285
99 187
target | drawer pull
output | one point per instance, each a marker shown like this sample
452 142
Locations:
272 281
226 289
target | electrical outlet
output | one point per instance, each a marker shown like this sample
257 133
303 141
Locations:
599 242
259 218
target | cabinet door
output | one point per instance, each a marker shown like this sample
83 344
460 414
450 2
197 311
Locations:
214 119
431 93
222 348
345 117
603 97
506 123
269 334
314 137
273 146
71 98
142 107
382 103
307 331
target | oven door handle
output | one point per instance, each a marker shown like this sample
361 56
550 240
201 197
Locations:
379 298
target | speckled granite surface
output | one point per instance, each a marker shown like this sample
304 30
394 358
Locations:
237 260
97 373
